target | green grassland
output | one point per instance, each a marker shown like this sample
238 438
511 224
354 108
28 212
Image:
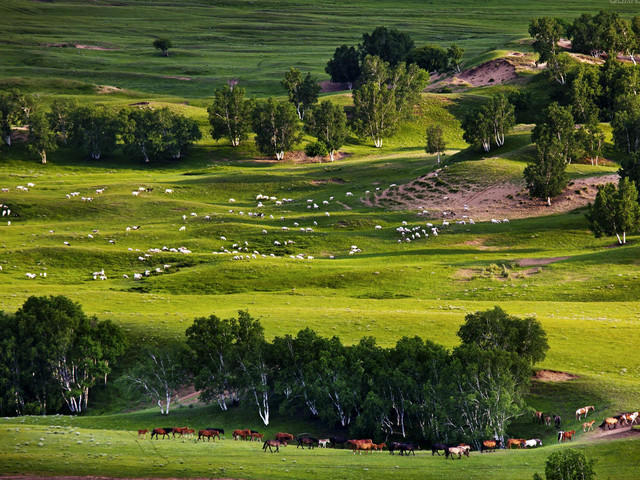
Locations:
588 301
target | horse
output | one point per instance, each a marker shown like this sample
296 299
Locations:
323 442
220 430
337 441
451 451
587 425
584 411
629 418
393 446
379 447
257 436
436 447
538 417
354 443
191 432
143 432
408 448
608 422
547 420
534 442
366 447
489 445
272 443
556 420
518 442
241 434
566 435
308 441
161 431
284 437
208 434
180 431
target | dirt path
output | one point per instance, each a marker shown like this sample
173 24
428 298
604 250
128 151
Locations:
621 432
483 202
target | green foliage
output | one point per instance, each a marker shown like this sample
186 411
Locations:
495 329
328 123
92 128
490 122
615 210
61 117
316 149
569 464
390 45
435 140
163 44
546 33
383 95
41 137
276 126
303 93
53 354
230 115
585 92
626 126
546 176
344 66
556 131
431 58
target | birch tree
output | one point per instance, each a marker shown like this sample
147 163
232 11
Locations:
41 137
546 176
615 211
328 123
276 126
230 115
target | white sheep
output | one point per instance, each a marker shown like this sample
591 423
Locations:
135 193
378 227
182 228
232 200
168 190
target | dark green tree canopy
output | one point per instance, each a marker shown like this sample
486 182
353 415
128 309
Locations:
569 464
276 126
615 210
162 44
431 58
303 92
495 329
328 123
230 115
344 66
389 44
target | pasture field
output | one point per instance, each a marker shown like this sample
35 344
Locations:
585 291
218 40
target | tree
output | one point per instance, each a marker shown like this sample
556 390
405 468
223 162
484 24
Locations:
303 93
344 66
455 53
212 341
491 121
496 329
626 125
390 45
584 38
590 141
163 44
546 33
328 123
546 177
93 128
61 117
10 115
435 140
41 136
158 375
557 129
182 133
585 92
230 115
569 464
383 95
615 210
276 126
431 58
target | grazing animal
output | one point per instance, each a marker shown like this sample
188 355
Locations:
408 448
241 434
354 443
272 443
583 411
489 445
208 434
379 447
556 420
452 451
220 430
180 431
190 432
518 442
161 431
283 437
629 418
547 421
308 441
143 432
608 422
587 425
436 447
337 441
364 447
257 436
534 442
538 417
562 436
323 442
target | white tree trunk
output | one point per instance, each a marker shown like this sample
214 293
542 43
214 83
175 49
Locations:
43 155
7 139
331 154
619 239
549 201
438 158
377 142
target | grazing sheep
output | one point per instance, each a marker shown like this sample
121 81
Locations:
232 200
349 194
182 228
378 227
135 193
168 190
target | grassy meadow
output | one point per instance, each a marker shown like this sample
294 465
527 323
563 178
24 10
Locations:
587 298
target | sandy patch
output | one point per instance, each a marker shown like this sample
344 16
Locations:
618 433
464 274
338 181
529 262
553 376
437 193
346 207
107 89
490 73
78 46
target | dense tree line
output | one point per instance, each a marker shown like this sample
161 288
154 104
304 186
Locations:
416 389
52 354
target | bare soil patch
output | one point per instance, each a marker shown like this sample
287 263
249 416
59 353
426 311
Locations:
437 193
106 89
176 77
553 376
529 262
78 46
328 86
618 433
338 181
